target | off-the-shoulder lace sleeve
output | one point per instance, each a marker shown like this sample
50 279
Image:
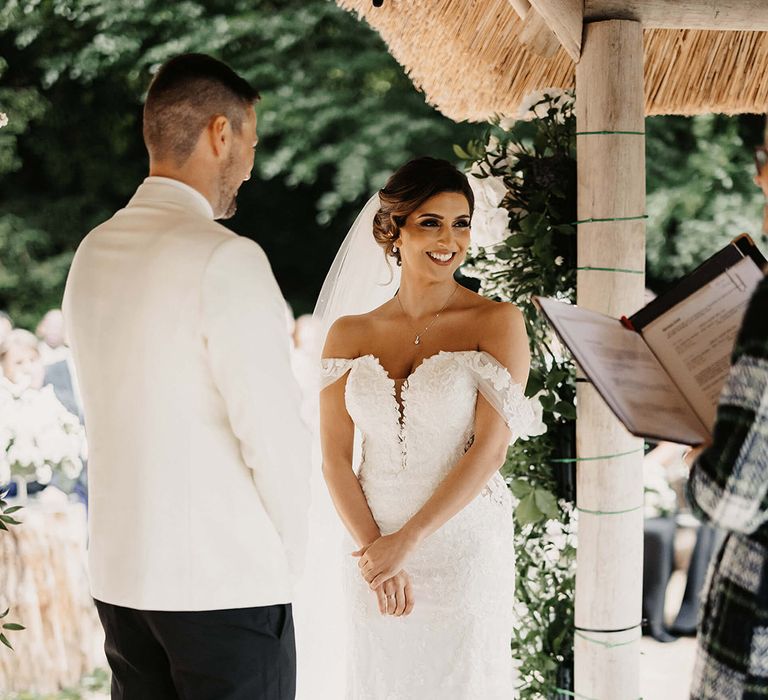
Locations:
523 416
333 369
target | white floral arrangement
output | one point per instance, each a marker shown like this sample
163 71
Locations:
490 221
522 171
38 436
3 119
660 497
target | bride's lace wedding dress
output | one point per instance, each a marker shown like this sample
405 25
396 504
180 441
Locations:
456 643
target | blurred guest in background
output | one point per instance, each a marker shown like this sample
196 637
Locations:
61 375
6 325
306 336
20 359
306 367
62 378
50 331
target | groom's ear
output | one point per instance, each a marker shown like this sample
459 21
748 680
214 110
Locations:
219 134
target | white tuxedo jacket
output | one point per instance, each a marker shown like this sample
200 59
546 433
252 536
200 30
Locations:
198 463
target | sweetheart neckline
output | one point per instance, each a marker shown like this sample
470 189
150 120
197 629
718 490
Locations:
399 397
439 353
501 379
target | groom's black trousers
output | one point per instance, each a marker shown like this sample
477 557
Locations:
240 654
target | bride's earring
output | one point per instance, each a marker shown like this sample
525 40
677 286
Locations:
394 249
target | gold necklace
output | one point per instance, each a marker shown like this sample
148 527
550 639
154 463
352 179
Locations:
437 315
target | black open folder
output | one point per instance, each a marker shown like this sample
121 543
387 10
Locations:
662 369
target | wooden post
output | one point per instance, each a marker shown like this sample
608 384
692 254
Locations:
611 185
720 15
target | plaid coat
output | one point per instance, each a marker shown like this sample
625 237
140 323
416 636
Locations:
729 487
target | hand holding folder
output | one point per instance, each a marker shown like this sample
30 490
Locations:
661 370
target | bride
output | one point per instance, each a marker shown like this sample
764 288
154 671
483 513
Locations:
433 381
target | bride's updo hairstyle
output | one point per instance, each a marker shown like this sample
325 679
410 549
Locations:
407 189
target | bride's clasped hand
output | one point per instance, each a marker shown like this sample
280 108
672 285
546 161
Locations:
386 556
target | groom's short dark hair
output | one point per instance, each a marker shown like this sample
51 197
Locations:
187 92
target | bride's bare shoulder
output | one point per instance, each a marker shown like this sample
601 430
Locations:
502 333
346 336
495 322
491 310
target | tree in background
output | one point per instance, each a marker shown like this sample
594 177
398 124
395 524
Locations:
700 190
337 116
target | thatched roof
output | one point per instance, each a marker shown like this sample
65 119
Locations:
466 57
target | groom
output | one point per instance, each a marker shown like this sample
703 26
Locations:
198 460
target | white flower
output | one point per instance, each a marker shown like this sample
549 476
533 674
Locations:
535 420
507 123
660 497
477 169
489 226
559 260
488 191
551 555
72 468
3 119
54 445
24 453
43 474
38 436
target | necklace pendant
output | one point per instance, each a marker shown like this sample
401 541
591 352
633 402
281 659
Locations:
417 341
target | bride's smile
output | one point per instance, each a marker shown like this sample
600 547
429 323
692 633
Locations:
436 235
442 258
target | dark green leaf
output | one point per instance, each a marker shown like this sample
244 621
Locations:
534 386
461 153
546 503
547 401
520 488
527 512
13 627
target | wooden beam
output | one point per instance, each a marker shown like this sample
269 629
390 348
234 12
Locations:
743 15
611 187
566 19
522 7
537 37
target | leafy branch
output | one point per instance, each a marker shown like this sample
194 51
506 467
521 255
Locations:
9 627
6 512
7 520
536 163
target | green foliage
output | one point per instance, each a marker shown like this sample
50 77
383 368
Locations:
8 627
6 513
32 269
337 116
700 190
7 520
536 163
